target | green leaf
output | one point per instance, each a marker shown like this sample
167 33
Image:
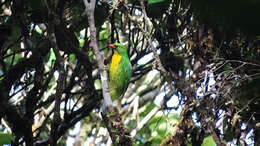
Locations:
5 138
156 129
81 42
72 58
52 58
208 141
97 84
11 60
154 1
148 109
104 34
131 124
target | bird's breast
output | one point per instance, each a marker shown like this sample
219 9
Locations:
116 58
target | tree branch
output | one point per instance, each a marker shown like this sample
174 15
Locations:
59 90
117 132
145 121
90 7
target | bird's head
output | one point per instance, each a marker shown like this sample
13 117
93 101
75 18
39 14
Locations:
119 48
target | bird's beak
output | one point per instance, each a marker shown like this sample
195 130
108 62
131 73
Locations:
111 46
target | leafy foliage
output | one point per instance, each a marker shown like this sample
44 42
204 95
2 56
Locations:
198 57
5 138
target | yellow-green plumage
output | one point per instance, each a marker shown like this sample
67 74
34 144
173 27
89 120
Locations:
120 71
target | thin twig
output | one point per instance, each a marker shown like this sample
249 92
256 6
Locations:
145 120
150 42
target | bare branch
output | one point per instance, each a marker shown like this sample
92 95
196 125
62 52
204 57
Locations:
150 42
59 90
90 7
145 120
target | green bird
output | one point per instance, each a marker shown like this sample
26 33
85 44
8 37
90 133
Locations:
120 71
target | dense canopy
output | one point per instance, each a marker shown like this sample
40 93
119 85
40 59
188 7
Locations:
195 80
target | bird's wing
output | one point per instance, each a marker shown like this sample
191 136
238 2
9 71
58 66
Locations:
128 74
